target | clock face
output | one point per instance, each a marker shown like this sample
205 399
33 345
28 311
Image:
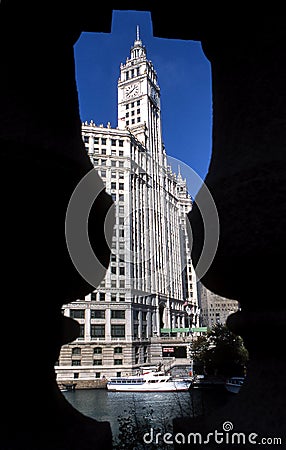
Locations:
154 95
132 90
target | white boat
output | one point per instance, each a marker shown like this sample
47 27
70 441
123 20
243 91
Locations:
233 384
149 382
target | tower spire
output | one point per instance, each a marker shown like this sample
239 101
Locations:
137 33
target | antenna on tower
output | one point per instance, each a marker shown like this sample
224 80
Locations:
137 33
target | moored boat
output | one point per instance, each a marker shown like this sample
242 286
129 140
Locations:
233 384
149 382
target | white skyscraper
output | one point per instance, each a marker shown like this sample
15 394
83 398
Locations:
149 295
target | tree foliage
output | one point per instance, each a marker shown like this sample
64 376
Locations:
220 352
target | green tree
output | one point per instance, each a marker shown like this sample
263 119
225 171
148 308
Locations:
220 352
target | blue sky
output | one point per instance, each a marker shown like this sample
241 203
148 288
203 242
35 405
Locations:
184 77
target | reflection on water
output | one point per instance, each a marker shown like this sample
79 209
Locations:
104 405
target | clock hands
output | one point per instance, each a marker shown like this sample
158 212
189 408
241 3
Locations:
132 90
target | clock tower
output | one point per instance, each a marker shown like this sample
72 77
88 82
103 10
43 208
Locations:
139 98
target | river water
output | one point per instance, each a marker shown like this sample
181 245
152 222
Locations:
155 410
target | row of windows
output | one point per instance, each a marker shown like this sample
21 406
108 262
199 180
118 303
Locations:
132 113
115 185
97 362
102 162
103 141
118 270
116 197
133 72
121 257
136 315
113 174
132 104
114 284
113 297
97 375
96 351
97 313
114 152
133 121
98 331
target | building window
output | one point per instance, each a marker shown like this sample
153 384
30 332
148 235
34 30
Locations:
118 362
77 313
113 298
144 331
97 374
121 271
76 362
76 375
86 139
97 314
135 331
102 296
113 269
97 350
121 153
113 283
120 143
118 350
81 331
97 362
96 140
113 185
103 141
113 142
97 331
118 331
122 284
76 351
117 314
122 299
121 186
